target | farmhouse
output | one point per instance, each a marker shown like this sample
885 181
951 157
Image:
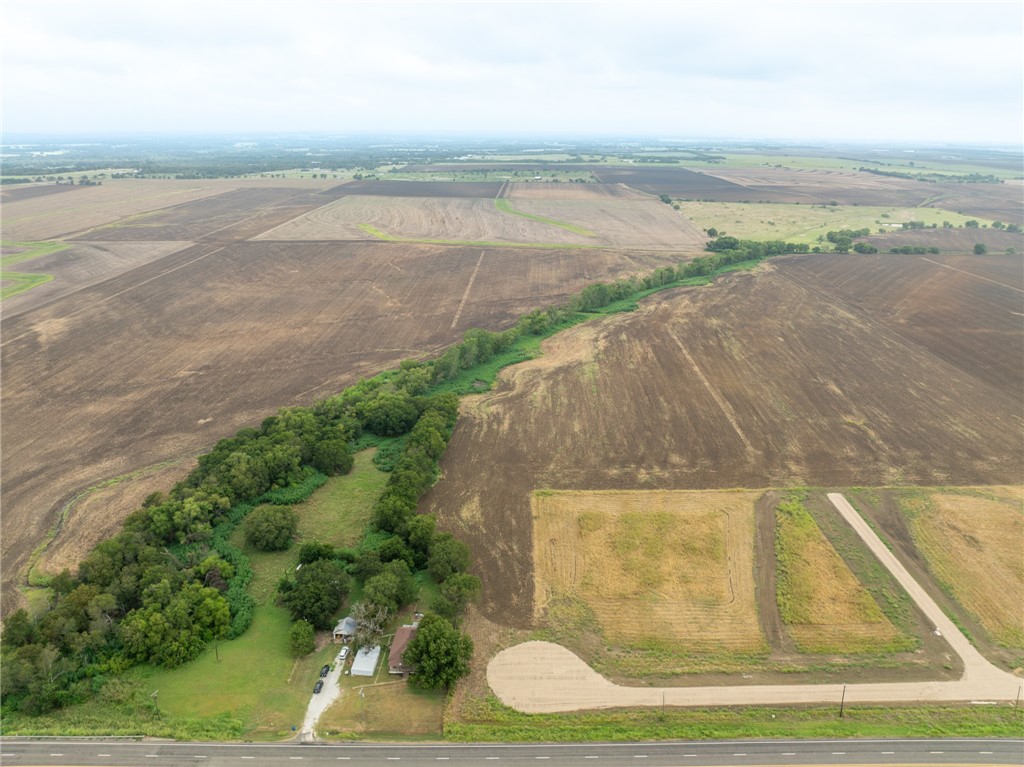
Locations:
403 636
365 662
345 629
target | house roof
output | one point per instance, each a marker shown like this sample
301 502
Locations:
365 662
346 625
403 636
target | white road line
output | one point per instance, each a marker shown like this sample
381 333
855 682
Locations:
248 757
838 753
591 757
542 757
739 754
152 756
639 756
346 758
935 752
888 752
984 752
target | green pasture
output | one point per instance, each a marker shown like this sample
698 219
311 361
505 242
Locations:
807 223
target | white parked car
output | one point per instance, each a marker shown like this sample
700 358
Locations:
343 654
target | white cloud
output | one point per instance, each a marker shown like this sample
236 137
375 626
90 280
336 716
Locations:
936 71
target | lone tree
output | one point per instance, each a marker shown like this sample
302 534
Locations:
440 653
980 249
301 639
270 528
316 592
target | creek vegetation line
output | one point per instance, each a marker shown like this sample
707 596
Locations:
171 582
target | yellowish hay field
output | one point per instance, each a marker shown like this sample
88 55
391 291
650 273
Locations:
974 542
825 607
668 566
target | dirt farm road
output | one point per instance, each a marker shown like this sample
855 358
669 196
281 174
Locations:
542 677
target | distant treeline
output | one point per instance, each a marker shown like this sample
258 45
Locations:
937 178
171 582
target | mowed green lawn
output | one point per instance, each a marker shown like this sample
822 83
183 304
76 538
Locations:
256 679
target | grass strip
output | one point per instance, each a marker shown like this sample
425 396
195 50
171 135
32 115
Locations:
378 234
494 722
505 206
20 282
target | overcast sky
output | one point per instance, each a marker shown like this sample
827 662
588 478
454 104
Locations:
932 72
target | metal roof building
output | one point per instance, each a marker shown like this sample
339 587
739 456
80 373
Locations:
365 662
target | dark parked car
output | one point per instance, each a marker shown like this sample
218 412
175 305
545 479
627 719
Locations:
325 670
318 686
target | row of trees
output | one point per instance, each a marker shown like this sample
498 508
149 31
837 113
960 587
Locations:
171 582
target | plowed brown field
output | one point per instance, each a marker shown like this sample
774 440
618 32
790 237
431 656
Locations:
803 373
159 362
422 218
614 221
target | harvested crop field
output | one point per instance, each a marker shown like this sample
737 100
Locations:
422 218
159 362
965 310
541 191
781 377
84 263
610 221
235 215
624 223
668 569
972 540
825 608
61 215
675 182
950 240
472 189
14 193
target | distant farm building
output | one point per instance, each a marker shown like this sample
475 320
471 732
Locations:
345 630
403 636
365 662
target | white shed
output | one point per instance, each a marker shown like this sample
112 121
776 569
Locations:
365 662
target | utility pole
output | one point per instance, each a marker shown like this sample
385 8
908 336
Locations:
842 703
156 703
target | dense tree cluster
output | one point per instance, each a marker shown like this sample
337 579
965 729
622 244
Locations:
171 581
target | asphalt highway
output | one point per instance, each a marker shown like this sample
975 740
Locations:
89 752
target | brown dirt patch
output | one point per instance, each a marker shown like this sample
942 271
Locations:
541 191
60 215
159 362
761 380
81 265
98 514
950 240
626 223
234 215
962 315
384 188
422 218
672 568
26 192
972 541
